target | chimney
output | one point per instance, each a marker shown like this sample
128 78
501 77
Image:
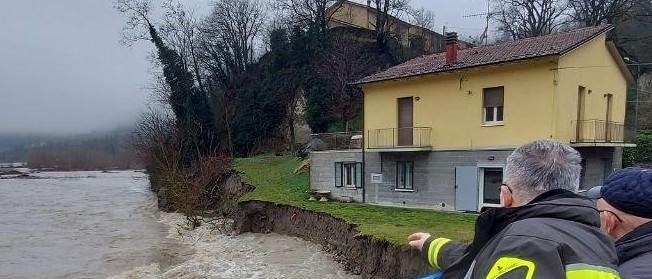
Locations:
451 48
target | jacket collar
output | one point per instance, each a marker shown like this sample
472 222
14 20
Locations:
634 243
558 204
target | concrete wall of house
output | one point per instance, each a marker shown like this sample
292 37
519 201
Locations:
593 67
434 173
451 103
434 176
322 173
618 158
598 163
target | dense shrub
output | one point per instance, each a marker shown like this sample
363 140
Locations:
642 153
194 189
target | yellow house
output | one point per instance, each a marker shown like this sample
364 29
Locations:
438 128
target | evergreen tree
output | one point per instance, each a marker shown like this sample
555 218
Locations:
190 106
265 98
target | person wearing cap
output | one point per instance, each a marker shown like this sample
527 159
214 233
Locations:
625 206
543 229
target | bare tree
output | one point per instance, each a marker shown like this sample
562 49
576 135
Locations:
179 30
423 18
138 20
229 36
207 185
387 14
309 13
528 18
596 12
345 62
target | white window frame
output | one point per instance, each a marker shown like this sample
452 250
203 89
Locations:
495 116
410 179
493 122
481 169
346 176
343 177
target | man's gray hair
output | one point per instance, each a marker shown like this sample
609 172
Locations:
541 166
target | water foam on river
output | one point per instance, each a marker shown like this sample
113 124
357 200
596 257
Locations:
217 255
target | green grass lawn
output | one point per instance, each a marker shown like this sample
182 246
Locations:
275 182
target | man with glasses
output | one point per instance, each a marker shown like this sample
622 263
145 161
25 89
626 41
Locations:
543 229
625 206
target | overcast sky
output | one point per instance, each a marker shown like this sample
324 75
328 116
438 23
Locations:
63 70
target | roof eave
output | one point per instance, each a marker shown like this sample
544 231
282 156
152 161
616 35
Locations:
358 83
587 39
613 50
565 51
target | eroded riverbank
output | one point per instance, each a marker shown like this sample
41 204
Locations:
364 255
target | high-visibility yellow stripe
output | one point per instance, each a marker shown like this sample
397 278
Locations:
581 271
505 265
433 251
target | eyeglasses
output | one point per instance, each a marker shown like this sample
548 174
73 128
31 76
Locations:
612 213
500 188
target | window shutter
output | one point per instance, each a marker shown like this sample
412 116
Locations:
493 97
338 174
359 179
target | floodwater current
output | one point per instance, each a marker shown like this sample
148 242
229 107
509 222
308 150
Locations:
107 225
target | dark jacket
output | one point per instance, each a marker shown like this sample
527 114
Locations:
557 235
635 253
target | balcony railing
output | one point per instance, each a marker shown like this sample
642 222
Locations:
336 141
411 137
598 131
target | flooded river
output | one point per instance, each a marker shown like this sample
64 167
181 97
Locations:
106 225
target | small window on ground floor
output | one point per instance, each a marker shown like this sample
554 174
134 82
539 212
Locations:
405 175
348 174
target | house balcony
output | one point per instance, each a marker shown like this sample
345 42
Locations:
336 141
400 139
595 132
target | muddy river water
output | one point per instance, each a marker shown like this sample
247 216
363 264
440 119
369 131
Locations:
106 225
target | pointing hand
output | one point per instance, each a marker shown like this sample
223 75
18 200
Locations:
416 240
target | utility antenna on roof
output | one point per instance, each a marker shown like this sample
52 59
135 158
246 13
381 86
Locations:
484 37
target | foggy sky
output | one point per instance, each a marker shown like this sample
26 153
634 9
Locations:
63 70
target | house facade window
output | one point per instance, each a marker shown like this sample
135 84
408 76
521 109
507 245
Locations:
405 175
348 174
493 105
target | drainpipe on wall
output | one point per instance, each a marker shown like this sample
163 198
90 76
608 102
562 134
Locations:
364 144
555 110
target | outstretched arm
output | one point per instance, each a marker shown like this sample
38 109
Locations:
440 253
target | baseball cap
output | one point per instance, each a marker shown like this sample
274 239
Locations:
629 190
